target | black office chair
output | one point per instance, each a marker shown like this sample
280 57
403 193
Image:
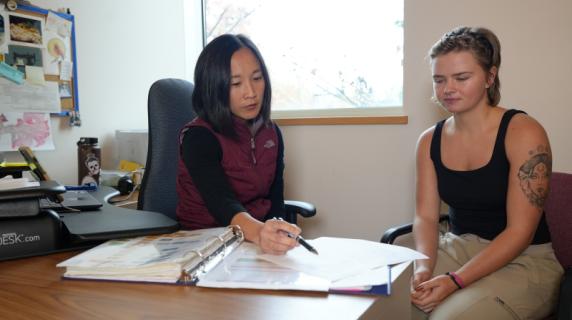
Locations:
169 109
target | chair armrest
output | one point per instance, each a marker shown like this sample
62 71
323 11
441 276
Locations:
295 208
393 233
302 208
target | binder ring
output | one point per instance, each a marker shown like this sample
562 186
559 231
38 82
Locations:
223 245
199 253
218 250
201 267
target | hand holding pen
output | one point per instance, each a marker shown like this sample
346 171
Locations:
272 237
300 240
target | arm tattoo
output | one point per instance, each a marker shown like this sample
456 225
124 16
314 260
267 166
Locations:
534 176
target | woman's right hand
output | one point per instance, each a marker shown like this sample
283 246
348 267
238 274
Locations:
273 236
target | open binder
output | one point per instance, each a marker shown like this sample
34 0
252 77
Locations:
220 258
179 257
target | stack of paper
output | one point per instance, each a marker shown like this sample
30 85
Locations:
9 183
345 262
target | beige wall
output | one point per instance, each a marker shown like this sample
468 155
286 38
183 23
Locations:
361 178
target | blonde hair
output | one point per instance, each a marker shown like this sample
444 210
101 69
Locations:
482 43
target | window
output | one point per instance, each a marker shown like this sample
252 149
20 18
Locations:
325 58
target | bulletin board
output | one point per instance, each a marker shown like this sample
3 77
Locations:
40 44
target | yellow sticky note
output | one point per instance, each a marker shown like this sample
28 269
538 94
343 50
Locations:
129 165
35 75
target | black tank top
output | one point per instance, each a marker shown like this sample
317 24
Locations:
477 198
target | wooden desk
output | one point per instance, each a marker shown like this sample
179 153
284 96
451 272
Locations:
32 288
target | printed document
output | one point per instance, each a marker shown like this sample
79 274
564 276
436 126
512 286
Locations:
341 258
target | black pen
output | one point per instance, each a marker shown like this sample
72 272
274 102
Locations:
300 240
303 242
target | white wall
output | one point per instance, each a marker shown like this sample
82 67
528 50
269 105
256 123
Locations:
122 48
361 178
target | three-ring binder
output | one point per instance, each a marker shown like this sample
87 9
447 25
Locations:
207 257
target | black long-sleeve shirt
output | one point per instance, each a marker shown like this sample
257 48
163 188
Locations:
202 155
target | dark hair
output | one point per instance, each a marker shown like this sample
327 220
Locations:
211 96
482 43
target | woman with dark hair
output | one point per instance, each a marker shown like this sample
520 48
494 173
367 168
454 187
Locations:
231 155
492 167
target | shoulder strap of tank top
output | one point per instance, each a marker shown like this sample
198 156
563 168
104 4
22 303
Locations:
501 134
436 142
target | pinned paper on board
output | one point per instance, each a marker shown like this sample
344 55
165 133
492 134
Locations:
57 52
66 68
35 75
58 25
27 97
25 129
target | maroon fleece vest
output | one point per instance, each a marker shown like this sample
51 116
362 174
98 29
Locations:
249 164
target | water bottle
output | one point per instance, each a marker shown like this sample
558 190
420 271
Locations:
88 161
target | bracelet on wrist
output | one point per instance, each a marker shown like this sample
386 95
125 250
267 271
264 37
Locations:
456 280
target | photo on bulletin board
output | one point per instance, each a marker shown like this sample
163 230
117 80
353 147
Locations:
26 29
65 91
40 43
58 51
22 56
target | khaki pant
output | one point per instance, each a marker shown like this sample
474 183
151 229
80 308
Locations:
526 288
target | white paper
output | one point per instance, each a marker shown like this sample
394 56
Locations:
373 277
35 75
58 24
27 128
28 97
66 69
243 269
341 258
9 183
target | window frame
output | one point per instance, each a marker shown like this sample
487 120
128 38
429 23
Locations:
330 116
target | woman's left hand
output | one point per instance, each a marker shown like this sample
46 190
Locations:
432 292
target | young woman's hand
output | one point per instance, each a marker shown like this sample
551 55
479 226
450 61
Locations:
421 275
431 293
273 236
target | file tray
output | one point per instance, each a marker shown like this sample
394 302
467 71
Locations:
29 236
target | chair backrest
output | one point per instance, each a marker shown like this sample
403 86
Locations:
169 109
558 209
